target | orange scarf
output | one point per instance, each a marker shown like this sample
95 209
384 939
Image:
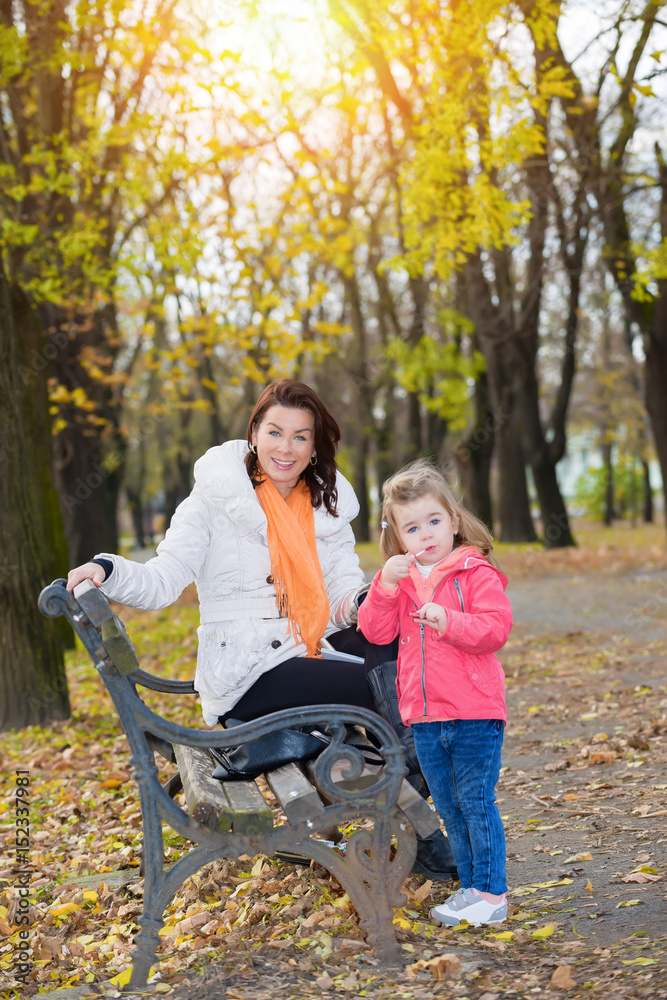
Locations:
295 565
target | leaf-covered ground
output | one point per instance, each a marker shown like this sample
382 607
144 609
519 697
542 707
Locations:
583 795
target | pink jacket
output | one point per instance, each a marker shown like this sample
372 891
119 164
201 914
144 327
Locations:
453 675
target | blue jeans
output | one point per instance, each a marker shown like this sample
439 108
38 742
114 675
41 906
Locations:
460 760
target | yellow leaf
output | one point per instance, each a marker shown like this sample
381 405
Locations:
59 911
402 923
543 932
629 902
584 856
111 783
503 936
257 867
90 894
123 978
639 961
589 887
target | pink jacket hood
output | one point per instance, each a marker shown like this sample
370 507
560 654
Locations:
456 674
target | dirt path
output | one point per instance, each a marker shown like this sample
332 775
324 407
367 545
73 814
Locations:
587 658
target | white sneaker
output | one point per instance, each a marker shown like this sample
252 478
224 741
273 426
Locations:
469 905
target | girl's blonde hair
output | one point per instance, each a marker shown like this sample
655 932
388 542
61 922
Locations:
419 479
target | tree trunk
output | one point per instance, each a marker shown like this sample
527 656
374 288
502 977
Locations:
555 521
89 451
473 456
648 494
608 467
655 347
33 684
494 330
516 522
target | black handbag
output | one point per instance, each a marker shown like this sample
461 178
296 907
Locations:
248 760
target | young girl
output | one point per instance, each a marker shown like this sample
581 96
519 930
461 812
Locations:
441 594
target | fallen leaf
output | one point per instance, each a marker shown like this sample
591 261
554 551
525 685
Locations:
639 961
441 967
641 877
589 887
602 757
583 856
543 932
629 902
423 891
562 978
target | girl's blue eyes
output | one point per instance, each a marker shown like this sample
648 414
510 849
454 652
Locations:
434 520
299 437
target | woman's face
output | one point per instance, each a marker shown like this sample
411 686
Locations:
285 443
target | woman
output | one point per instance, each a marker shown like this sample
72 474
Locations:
266 536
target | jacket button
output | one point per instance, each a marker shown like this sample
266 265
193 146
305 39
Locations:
276 644
474 676
269 579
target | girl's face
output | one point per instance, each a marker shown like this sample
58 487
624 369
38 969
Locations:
424 526
285 444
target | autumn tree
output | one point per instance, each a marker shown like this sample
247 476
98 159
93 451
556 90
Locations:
96 103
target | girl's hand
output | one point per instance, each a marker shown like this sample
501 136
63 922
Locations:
433 615
395 569
89 571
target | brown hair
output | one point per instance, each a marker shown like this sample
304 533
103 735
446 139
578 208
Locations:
418 480
321 477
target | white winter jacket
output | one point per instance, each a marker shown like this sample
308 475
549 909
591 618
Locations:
218 538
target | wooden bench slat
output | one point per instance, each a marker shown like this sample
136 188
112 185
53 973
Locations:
297 796
204 794
251 811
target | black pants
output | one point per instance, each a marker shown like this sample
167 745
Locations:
303 680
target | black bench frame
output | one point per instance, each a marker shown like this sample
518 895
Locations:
375 864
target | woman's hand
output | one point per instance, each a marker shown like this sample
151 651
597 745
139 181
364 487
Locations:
89 571
395 569
433 615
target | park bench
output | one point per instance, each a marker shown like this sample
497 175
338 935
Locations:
230 819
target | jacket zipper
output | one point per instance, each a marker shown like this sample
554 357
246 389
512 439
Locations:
422 630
